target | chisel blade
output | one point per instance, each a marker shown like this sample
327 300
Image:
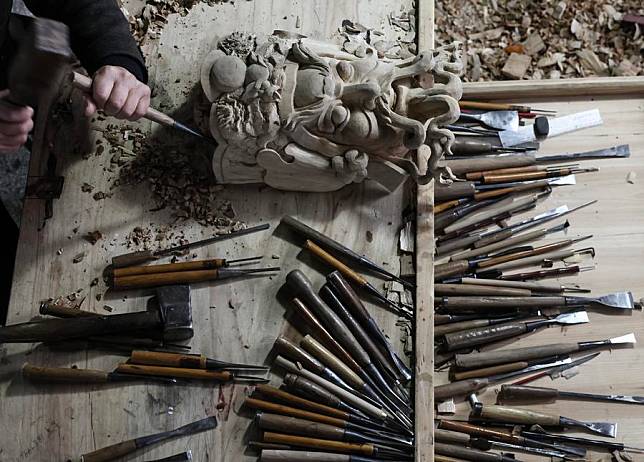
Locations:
628 338
623 150
578 317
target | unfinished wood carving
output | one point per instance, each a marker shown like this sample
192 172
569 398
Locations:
303 115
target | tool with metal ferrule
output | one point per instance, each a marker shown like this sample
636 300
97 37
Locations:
190 374
534 287
118 450
524 394
365 449
464 453
603 444
192 361
490 358
340 249
501 120
467 387
145 256
303 427
484 335
617 300
183 457
529 417
184 266
510 438
75 375
354 277
290 455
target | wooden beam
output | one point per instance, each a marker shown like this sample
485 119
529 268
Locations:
590 86
424 325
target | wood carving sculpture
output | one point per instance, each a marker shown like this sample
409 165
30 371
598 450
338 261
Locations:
303 115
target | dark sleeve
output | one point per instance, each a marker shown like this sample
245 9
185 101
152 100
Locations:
100 34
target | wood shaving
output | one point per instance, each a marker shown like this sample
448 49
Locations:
93 237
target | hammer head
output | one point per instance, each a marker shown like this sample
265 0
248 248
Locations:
176 312
41 62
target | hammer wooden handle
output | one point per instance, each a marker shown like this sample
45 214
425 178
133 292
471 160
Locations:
52 308
156 358
170 267
178 372
302 403
334 262
84 83
293 425
333 362
63 374
111 452
268 406
519 416
141 281
316 443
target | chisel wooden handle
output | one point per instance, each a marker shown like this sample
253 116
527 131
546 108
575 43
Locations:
479 196
282 455
476 176
316 443
302 403
461 452
452 268
111 452
448 436
492 238
268 406
464 289
50 308
485 163
290 350
537 259
488 371
455 244
317 350
511 177
133 258
157 358
442 458
63 374
504 244
461 388
525 254
334 262
170 267
293 425
489 358
443 329
531 286
484 432
519 393
438 208
312 390
519 416
483 303
491 211
177 372
456 190
141 281
483 335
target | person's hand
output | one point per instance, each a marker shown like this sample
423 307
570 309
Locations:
117 92
15 124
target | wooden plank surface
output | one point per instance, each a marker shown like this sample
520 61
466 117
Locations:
236 321
617 223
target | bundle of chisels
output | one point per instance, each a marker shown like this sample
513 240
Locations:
343 395
488 285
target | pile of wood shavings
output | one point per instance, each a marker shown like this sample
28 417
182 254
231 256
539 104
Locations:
514 39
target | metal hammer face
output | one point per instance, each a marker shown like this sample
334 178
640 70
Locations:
176 312
41 61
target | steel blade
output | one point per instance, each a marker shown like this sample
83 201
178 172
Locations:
622 300
577 362
628 338
578 317
601 428
593 396
623 150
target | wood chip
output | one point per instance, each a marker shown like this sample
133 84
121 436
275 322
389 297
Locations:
79 257
533 44
630 178
516 66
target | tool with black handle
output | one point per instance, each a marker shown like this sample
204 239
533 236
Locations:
119 450
182 457
525 394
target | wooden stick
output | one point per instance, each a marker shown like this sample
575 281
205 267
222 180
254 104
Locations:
316 443
141 281
200 374
170 267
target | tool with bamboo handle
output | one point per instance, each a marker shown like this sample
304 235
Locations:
500 107
530 417
143 281
484 335
546 274
191 361
183 373
490 358
354 277
534 287
75 375
617 300
350 300
466 387
144 256
84 83
212 263
460 211
603 444
525 394
506 437
303 427
182 457
119 450
339 249
539 175
461 452
290 455
480 175
336 446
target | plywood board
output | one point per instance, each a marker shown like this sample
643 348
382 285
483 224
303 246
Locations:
235 321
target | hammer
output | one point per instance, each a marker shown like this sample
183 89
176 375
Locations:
173 317
43 59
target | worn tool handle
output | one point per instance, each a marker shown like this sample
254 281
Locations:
177 372
443 206
479 196
141 281
512 177
457 190
112 452
316 443
302 403
531 286
462 388
312 390
542 274
478 175
289 349
536 259
474 430
452 268
268 406
516 415
285 455
488 371
334 262
318 351
527 253
494 162
492 238
133 258
449 436
520 393
504 244
483 303
469 147
51 308
63 374
484 335
491 211
170 267
470 289
460 452
323 335
157 358
442 458
489 358
293 425
443 329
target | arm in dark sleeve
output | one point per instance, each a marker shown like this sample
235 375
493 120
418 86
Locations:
100 34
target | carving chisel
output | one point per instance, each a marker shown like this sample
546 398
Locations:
500 120
182 266
192 361
183 457
291 455
443 329
340 249
460 452
606 445
545 274
500 107
124 448
528 417
551 172
75 375
525 394
534 287
445 219
190 374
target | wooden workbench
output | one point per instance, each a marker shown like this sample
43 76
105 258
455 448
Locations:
235 321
